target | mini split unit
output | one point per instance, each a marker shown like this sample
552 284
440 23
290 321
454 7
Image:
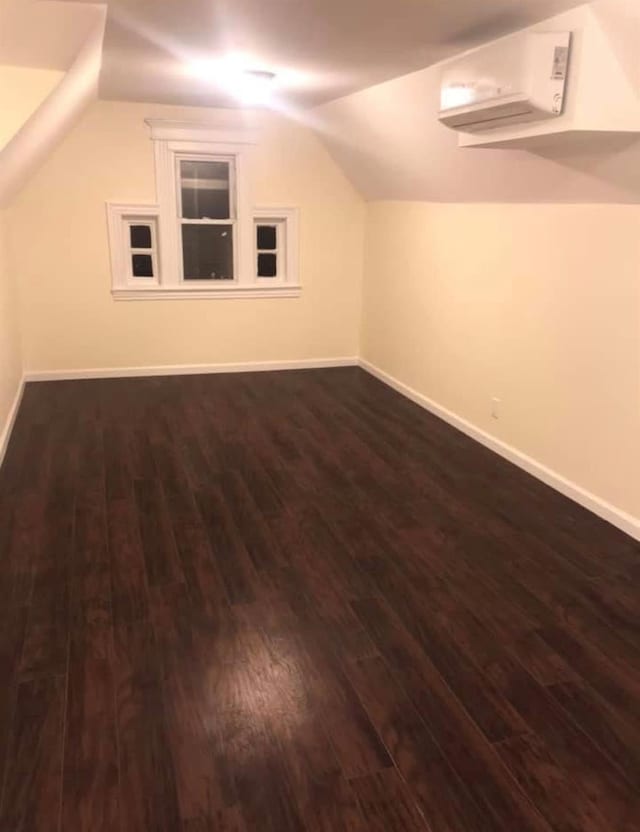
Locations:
569 82
516 80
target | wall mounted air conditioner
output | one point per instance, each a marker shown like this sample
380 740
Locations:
519 79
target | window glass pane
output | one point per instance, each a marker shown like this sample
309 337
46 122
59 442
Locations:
267 238
267 265
207 252
140 236
142 265
205 190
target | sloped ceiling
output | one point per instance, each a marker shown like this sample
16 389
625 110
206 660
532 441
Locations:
323 48
389 142
45 126
386 137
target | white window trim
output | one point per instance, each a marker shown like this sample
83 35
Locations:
172 139
120 217
288 218
167 154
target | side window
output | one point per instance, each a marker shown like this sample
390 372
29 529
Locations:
142 248
133 238
269 262
276 246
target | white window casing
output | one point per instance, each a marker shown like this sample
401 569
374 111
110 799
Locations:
120 218
175 142
286 222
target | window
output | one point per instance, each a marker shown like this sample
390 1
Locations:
207 217
204 232
133 232
267 243
275 234
142 235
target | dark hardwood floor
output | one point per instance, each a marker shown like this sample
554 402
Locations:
296 601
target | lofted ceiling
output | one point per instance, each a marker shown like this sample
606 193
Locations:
320 49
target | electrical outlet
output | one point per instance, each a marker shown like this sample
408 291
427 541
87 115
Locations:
496 406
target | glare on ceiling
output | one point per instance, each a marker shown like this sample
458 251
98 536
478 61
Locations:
250 86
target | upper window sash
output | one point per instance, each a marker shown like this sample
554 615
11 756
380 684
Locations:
181 179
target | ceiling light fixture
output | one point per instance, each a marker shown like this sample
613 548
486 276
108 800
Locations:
254 87
250 87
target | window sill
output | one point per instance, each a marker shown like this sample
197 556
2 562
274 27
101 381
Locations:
160 293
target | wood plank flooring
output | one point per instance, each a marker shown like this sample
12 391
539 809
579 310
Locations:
296 601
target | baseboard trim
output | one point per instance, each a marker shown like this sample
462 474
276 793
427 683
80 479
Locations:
5 436
621 519
190 369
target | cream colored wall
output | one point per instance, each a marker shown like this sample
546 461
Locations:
22 91
537 305
10 359
58 226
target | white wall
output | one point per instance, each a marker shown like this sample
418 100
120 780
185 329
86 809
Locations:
537 305
58 226
10 358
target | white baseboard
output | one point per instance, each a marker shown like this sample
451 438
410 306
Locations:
5 435
190 369
621 519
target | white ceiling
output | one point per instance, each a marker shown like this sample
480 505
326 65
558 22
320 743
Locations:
46 35
323 49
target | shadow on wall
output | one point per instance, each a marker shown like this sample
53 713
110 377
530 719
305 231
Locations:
611 158
389 142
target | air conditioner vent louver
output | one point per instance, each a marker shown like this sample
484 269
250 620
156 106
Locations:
520 79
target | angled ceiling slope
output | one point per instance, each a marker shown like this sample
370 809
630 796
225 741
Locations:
321 50
389 142
57 113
